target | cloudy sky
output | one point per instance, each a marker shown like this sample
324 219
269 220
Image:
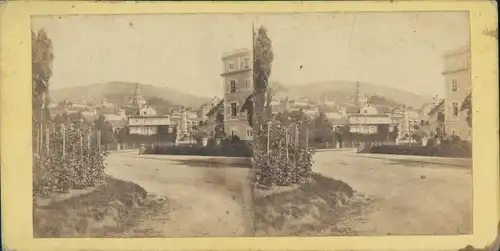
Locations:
401 50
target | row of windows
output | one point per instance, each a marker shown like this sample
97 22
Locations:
244 64
232 85
235 133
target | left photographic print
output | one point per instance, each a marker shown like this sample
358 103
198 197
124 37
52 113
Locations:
109 88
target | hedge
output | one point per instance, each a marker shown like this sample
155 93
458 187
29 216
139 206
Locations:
226 149
455 150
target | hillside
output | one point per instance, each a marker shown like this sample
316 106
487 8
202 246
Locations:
345 90
117 91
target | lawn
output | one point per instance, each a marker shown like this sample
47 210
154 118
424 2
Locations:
107 211
315 208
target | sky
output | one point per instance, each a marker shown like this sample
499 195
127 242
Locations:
183 51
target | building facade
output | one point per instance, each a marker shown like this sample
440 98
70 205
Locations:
368 121
238 85
457 86
185 121
435 120
149 125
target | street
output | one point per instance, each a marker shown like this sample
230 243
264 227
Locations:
408 196
203 200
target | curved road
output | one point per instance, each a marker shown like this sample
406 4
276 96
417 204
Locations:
409 194
203 200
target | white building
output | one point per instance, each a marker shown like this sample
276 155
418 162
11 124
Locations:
368 120
149 125
238 86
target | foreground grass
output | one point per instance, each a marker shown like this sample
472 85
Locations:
316 208
110 210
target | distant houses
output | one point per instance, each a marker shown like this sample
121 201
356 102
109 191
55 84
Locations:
227 117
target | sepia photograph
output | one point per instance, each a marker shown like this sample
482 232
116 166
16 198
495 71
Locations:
252 125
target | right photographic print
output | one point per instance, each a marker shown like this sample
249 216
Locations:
362 124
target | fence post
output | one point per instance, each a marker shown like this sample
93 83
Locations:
99 139
48 138
63 132
38 142
296 135
307 137
286 142
268 135
40 138
81 141
89 138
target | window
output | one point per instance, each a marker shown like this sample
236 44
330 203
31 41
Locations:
247 84
233 132
249 132
232 84
454 85
455 109
247 65
234 110
231 66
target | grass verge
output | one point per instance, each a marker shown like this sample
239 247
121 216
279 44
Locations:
111 209
316 208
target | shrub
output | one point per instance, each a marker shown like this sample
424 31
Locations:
288 161
82 165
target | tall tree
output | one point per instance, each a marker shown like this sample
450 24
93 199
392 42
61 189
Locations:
467 106
106 128
41 66
263 57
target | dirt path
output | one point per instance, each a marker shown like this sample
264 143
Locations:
408 196
203 201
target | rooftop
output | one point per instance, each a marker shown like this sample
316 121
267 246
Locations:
236 53
436 108
147 117
215 108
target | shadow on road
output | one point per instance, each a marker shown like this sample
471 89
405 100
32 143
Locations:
208 164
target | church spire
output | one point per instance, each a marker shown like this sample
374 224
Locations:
357 97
